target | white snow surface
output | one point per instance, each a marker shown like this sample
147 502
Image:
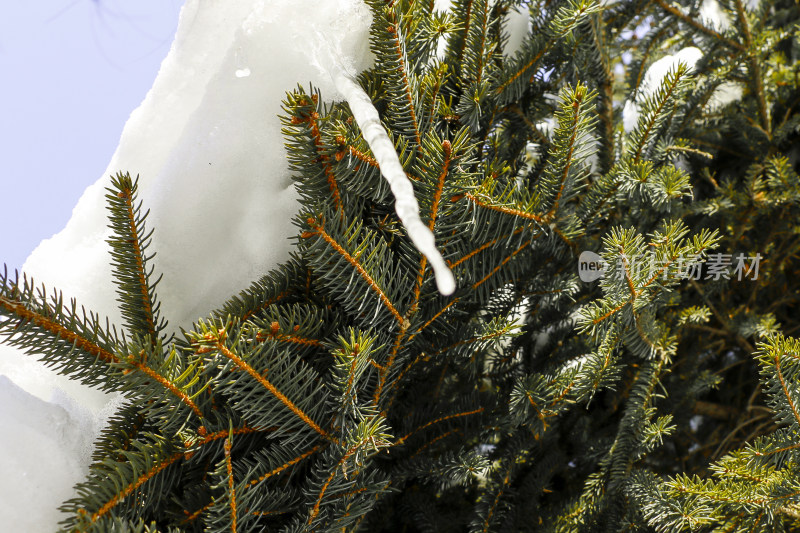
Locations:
207 146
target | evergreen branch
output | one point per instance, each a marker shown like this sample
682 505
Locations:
467 19
501 265
319 230
771 353
325 159
499 494
473 340
755 69
272 301
315 510
52 327
506 210
475 49
384 371
128 252
224 434
699 26
434 441
610 313
447 149
287 282
355 152
486 245
519 72
571 125
268 513
128 490
732 499
166 383
275 334
370 433
672 81
409 366
269 386
286 465
191 517
56 331
539 414
783 449
231 487
394 32
439 313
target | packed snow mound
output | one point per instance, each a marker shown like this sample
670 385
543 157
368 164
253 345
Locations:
45 450
207 146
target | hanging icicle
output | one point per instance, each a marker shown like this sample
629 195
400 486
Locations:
405 202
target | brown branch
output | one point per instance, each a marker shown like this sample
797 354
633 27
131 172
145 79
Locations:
325 160
264 305
384 370
501 265
286 465
274 334
167 384
489 514
519 72
438 420
192 516
231 488
507 210
697 25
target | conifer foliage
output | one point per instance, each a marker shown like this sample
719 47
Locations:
342 392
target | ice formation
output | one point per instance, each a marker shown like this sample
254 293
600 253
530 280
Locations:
406 204
206 143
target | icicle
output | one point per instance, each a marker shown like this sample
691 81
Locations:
405 202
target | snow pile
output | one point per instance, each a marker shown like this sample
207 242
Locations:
207 144
712 15
45 448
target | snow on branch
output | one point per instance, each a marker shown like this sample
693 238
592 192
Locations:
405 202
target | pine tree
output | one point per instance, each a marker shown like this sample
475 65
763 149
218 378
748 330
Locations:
344 392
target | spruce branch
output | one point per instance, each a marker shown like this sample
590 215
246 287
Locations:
129 244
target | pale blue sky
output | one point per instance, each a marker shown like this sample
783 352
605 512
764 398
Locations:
71 72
